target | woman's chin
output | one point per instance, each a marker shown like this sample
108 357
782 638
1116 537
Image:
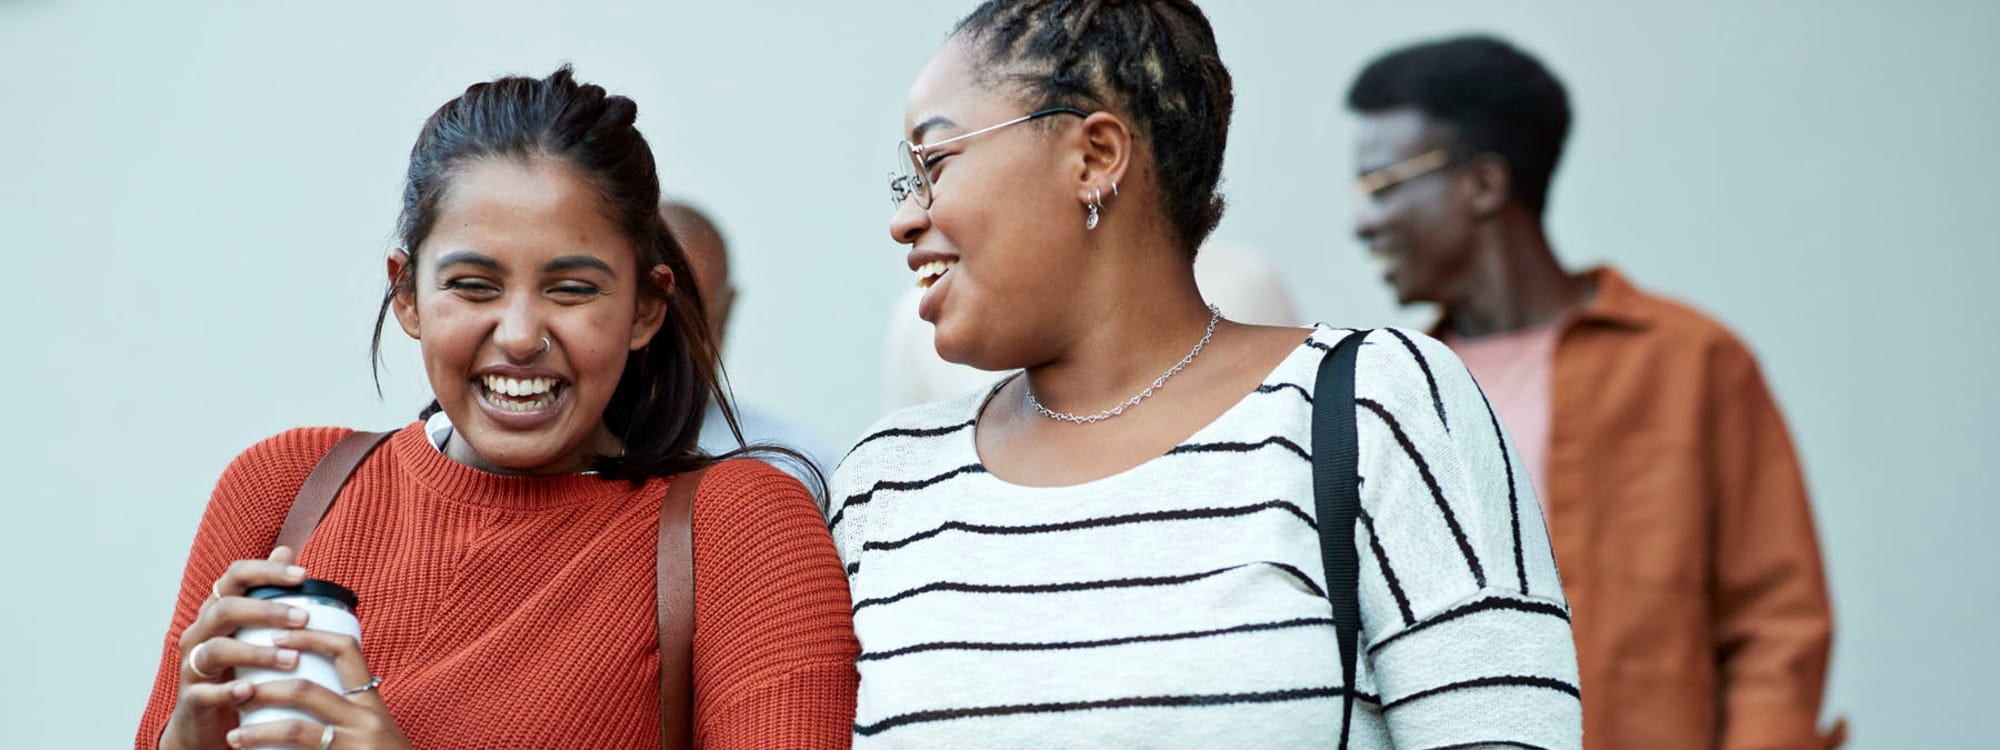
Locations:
486 444
954 347
509 454
976 353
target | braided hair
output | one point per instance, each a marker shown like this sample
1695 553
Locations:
1153 61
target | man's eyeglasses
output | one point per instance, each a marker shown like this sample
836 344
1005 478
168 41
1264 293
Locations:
1373 184
913 176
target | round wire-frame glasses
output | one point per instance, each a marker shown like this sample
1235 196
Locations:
913 176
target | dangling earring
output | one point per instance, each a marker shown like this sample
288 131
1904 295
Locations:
1096 202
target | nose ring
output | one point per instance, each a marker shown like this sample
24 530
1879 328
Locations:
546 345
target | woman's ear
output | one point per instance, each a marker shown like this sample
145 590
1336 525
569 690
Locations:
652 309
1107 156
403 290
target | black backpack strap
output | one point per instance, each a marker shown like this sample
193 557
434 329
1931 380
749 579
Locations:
1336 451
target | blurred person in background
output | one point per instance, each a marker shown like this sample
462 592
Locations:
708 255
1674 498
1235 277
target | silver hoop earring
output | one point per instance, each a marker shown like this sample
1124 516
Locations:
1114 188
546 345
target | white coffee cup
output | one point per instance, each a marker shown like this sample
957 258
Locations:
329 607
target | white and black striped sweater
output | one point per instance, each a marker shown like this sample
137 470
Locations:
1181 604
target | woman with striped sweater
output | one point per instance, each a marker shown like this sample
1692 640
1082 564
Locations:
1118 546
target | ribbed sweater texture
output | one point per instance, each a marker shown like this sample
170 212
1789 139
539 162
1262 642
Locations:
516 612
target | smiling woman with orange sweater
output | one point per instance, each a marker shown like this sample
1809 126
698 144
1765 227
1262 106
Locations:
503 552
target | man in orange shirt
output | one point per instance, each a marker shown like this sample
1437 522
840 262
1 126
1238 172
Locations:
1674 500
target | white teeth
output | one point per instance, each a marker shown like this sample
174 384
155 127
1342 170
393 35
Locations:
512 405
520 388
928 273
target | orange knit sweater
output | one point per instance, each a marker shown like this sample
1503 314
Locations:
518 612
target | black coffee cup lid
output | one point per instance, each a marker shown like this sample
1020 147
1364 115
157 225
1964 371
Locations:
311 587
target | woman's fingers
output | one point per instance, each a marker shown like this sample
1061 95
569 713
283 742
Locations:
281 733
215 696
345 652
208 659
314 699
225 598
221 617
244 575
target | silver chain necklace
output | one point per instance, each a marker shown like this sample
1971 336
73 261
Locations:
1214 315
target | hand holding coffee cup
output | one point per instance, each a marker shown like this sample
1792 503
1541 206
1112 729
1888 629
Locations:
212 658
329 608
310 710
205 707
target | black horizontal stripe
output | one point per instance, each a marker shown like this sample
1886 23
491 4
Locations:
1276 387
1055 588
1430 480
1240 447
1484 605
862 498
1437 400
1185 514
1254 627
1486 743
1546 683
923 432
1150 701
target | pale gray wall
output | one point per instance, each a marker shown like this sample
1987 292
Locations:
195 197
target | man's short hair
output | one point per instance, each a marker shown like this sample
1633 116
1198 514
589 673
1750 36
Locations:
1495 98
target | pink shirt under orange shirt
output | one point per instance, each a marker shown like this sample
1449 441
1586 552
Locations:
1513 369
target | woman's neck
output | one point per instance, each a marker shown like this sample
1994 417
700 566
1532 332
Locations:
1140 321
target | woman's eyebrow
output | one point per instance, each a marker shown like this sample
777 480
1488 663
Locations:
930 123
579 262
471 258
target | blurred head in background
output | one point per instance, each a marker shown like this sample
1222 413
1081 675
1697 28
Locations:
1458 142
708 255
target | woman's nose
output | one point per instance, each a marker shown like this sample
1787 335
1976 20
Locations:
909 222
522 335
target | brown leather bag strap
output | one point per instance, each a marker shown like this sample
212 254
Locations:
674 571
323 484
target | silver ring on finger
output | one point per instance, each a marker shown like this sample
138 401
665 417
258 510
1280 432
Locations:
196 652
372 683
326 737
216 588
